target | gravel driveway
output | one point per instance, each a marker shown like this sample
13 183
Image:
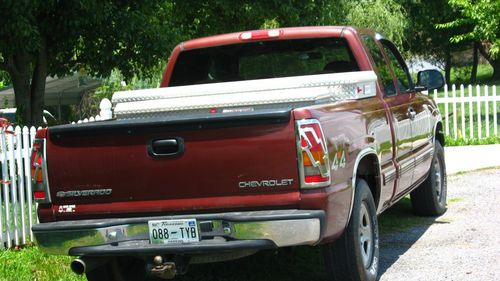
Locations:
463 244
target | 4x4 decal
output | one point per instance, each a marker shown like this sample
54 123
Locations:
338 161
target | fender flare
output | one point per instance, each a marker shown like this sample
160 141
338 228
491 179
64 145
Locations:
361 155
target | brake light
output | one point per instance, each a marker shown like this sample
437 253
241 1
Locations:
314 164
39 195
38 172
261 34
36 163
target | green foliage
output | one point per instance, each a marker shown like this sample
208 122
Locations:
116 82
4 79
202 18
481 19
422 37
385 16
461 75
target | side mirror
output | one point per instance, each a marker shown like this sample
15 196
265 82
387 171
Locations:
430 78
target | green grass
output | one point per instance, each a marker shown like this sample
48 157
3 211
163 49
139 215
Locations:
451 141
476 170
454 200
31 263
461 75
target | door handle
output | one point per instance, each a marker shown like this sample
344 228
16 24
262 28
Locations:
411 113
167 147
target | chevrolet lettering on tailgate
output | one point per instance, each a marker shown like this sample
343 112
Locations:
265 183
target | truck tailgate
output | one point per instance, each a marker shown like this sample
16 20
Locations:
216 155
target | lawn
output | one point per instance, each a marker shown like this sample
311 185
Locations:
31 263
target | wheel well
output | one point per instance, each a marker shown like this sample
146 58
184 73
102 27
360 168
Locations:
368 170
439 134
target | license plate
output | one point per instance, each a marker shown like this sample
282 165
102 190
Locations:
173 231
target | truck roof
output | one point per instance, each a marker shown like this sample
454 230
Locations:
263 34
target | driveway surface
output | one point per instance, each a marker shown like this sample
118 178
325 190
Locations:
463 244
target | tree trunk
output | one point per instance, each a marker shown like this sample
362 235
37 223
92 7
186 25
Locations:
475 57
495 63
18 67
447 65
30 97
38 87
496 68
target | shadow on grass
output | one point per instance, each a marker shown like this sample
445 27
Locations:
399 229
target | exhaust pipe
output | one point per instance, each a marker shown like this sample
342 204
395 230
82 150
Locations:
83 265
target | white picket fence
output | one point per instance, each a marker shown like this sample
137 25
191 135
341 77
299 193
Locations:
471 108
17 210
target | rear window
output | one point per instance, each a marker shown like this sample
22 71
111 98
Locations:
263 59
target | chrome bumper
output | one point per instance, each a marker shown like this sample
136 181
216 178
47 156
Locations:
218 232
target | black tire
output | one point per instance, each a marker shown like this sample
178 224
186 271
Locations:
349 257
429 199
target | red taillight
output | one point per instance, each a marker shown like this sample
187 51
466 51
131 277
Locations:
314 164
36 163
38 172
39 195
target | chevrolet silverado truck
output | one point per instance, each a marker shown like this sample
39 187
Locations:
255 140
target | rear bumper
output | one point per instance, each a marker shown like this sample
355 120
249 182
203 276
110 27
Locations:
219 232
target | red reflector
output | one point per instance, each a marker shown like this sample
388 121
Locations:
315 178
39 194
213 110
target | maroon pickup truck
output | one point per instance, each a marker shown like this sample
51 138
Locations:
255 140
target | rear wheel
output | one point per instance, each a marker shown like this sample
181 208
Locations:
429 199
354 256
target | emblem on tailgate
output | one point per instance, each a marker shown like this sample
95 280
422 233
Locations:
84 193
265 183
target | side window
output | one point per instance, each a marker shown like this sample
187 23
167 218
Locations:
403 78
384 72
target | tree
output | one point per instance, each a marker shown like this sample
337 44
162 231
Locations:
209 17
423 40
201 18
385 16
50 37
481 21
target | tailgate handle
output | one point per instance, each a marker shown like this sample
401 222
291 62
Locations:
166 147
